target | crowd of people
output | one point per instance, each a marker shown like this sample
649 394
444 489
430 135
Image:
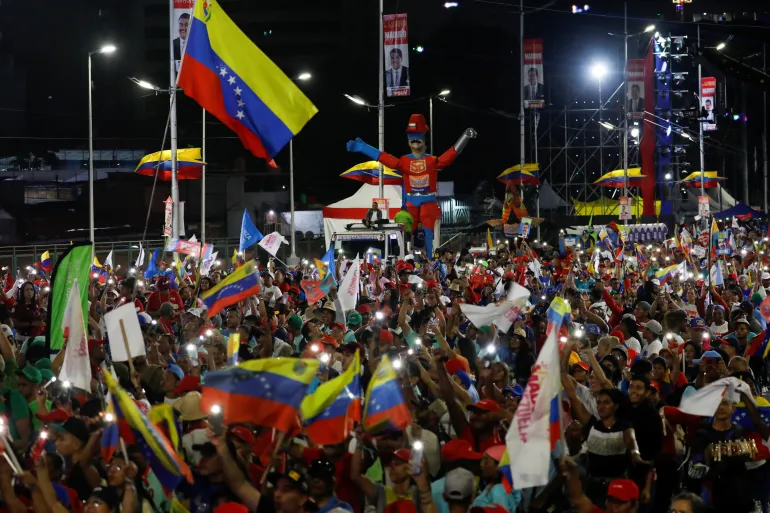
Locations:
640 338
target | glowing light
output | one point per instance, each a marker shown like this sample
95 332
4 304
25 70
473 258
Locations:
720 46
140 283
418 341
315 348
209 333
216 409
66 384
419 49
108 49
304 76
325 358
562 339
598 70
397 364
379 316
491 349
634 132
109 417
417 445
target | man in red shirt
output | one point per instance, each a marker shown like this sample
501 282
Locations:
164 294
128 294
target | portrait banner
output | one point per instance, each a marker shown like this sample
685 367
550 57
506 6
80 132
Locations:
181 28
635 99
708 88
534 90
396 48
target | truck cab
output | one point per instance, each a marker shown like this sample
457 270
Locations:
386 241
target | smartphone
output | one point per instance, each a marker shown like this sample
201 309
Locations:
416 459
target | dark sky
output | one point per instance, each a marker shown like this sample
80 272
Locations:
472 50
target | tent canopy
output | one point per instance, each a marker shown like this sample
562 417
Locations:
354 209
739 210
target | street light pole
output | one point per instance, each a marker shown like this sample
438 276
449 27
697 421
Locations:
203 181
701 145
90 162
381 100
430 117
522 142
293 259
625 102
175 212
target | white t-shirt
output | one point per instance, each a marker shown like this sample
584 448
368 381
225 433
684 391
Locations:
652 348
633 343
276 294
720 329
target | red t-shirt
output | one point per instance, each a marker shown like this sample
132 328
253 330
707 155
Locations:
137 304
492 441
159 297
346 490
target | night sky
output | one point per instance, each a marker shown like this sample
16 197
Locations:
471 50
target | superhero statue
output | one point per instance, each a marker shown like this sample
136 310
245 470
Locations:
419 171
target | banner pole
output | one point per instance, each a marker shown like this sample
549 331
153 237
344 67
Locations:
174 164
380 100
522 142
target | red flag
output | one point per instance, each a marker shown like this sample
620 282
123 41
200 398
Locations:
312 290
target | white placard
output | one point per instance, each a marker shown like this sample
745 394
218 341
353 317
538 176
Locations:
133 333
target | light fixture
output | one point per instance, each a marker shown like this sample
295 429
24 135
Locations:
445 92
598 70
355 99
450 5
419 49
720 46
606 125
667 176
650 28
146 85
304 76
112 48
634 132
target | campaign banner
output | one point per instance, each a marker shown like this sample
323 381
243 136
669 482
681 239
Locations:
635 98
703 206
723 244
534 90
168 218
182 21
189 248
525 227
625 208
708 92
396 48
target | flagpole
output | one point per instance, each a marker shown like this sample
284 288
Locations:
380 101
174 164
203 183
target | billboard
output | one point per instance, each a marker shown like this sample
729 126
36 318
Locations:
181 28
534 90
708 93
635 94
396 48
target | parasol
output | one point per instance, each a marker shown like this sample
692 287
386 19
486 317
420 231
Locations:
615 178
517 176
188 160
369 172
710 179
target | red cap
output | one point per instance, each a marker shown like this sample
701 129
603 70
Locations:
454 365
386 336
623 490
606 277
455 450
496 452
243 434
655 385
485 405
94 343
417 124
188 384
619 334
403 454
337 325
231 507
582 365
58 415
295 289
362 309
509 275
492 508
329 341
431 284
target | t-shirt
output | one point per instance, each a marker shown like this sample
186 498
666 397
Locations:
388 500
497 495
606 448
652 348
159 297
11 380
33 408
19 409
495 439
719 329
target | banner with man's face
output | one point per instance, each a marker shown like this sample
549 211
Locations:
635 99
534 90
396 48
708 94
181 22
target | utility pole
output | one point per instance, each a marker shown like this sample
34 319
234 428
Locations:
522 142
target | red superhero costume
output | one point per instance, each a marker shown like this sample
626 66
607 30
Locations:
419 171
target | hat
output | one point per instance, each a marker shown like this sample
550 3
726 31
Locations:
144 318
655 385
654 326
593 329
496 452
57 415
698 323
231 507
623 490
583 365
7 330
176 371
742 321
655 281
485 329
403 454
31 373
243 434
765 276
457 450
189 407
337 326
517 390
438 407
644 305
731 341
710 354
107 495
364 309
455 285
520 333
386 336
75 427
47 375
756 298
459 484
485 406
354 319
295 321
351 347
622 349
188 384
44 363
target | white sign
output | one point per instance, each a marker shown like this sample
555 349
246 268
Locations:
125 333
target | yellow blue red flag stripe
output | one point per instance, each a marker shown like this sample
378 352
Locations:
385 408
232 79
242 283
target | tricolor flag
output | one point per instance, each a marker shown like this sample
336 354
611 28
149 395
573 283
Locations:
239 285
45 261
385 409
667 273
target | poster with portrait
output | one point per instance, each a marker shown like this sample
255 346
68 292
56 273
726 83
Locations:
534 90
396 48
708 93
635 98
382 205
181 22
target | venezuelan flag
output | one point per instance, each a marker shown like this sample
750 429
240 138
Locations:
323 269
242 283
266 392
385 409
742 418
233 344
189 164
490 242
162 416
667 273
231 78
45 261
759 345
640 257
136 429
331 263
559 312
110 439
96 266
331 411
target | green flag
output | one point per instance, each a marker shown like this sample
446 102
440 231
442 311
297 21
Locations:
74 263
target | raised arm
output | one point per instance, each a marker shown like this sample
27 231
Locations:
451 154
359 146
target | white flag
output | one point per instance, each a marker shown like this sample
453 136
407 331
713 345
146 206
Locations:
486 315
108 261
140 259
704 401
272 242
77 366
519 296
535 427
348 289
208 263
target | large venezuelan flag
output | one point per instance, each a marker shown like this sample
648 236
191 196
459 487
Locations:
266 392
385 408
232 79
331 411
239 285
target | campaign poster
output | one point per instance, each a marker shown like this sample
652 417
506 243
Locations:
708 93
383 206
181 23
525 227
703 206
635 99
625 207
723 244
396 47
534 90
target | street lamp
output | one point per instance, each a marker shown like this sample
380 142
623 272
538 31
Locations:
357 100
441 95
720 46
598 71
649 28
293 259
106 49
304 76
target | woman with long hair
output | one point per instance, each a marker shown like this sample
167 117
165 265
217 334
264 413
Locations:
525 359
27 316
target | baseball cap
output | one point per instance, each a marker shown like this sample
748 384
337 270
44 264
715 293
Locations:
456 450
403 454
485 406
731 341
710 354
31 373
176 371
654 326
386 336
337 326
243 434
655 385
765 275
144 319
496 452
362 309
188 384
593 329
55 416
583 365
742 321
517 390
644 305
295 321
698 323
354 319
623 490
459 484
655 281
75 427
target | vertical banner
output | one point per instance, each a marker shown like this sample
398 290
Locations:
625 208
635 100
534 90
708 92
647 144
703 206
396 48
168 217
181 22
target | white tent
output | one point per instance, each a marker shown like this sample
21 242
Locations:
353 209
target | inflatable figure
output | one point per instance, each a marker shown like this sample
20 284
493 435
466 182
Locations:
419 171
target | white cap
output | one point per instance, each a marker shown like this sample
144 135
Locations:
766 275
656 281
7 331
